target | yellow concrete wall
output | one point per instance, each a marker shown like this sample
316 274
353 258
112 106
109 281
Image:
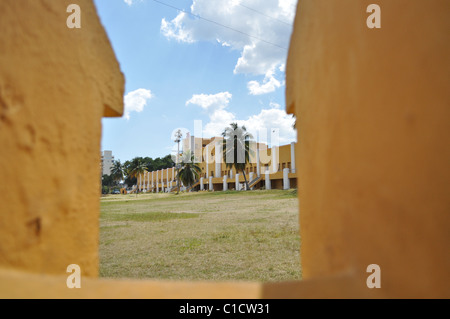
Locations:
164 177
284 155
26 285
372 109
55 85
284 152
277 175
265 157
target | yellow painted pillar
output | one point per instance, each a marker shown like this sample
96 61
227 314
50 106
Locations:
372 109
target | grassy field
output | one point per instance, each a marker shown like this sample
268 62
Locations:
251 236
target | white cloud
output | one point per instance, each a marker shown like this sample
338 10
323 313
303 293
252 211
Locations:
218 120
219 117
211 101
269 84
135 101
275 105
215 105
262 21
131 2
268 120
173 29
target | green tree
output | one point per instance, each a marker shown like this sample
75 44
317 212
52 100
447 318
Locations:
150 165
117 171
107 180
136 168
107 183
236 148
189 171
126 166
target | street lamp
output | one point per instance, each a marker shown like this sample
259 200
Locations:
178 136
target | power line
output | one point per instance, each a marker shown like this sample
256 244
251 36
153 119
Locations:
220 24
265 15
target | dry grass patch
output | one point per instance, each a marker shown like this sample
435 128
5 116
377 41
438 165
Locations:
250 236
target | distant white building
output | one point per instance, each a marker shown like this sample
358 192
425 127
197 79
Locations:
107 162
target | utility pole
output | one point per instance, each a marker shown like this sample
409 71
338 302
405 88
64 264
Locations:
178 136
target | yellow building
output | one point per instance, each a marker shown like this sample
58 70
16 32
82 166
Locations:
268 168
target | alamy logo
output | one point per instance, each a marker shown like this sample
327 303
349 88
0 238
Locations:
236 145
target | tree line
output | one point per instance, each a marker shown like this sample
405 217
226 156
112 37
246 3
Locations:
129 170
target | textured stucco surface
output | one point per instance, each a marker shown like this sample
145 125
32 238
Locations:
56 84
26 285
372 108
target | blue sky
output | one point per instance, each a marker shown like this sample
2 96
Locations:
223 63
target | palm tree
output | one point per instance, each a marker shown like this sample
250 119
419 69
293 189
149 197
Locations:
117 171
189 171
236 148
137 167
